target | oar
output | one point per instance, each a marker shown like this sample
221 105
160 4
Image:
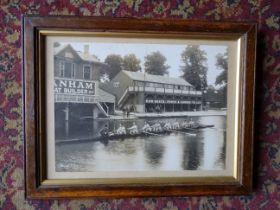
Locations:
191 134
218 129
191 129
151 133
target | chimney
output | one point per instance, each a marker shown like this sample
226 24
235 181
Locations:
86 50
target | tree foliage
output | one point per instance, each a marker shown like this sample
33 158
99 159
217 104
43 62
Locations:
131 63
194 68
155 64
56 44
214 97
114 65
222 64
222 78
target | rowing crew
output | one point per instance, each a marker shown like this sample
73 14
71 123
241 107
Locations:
133 130
167 126
156 128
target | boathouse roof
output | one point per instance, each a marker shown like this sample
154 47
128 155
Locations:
140 76
104 96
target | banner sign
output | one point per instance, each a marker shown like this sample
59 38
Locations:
171 101
74 87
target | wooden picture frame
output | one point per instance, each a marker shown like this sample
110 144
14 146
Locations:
37 32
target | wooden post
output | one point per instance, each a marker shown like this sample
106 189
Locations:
66 110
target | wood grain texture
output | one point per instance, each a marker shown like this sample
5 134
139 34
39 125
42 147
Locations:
35 109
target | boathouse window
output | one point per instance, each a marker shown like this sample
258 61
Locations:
116 84
61 69
158 85
68 55
153 84
66 69
139 84
73 71
87 71
149 84
169 86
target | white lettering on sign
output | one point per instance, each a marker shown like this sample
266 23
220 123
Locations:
167 101
74 87
71 84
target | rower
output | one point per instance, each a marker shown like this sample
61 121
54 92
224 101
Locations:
121 130
176 125
191 123
185 124
167 126
133 129
146 127
156 127
105 131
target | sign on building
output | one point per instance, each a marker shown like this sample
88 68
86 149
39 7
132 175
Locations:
74 87
74 90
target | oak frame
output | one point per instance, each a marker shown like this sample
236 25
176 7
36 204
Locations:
35 108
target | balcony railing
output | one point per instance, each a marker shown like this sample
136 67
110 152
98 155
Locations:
158 90
163 90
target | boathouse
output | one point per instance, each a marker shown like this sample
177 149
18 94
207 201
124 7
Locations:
153 93
77 92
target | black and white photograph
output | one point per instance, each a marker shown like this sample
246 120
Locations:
139 106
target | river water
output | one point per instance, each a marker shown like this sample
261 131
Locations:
177 151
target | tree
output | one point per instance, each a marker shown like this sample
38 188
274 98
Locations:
155 64
213 97
222 64
194 68
114 65
131 63
56 44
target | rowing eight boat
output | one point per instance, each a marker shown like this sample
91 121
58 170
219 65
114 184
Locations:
114 136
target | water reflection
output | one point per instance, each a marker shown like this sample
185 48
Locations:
154 151
177 151
193 152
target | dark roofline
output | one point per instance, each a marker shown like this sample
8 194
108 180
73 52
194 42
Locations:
76 52
157 82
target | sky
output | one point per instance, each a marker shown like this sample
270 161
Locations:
172 52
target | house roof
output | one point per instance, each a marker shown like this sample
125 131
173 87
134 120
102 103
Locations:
139 76
104 96
58 49
90 58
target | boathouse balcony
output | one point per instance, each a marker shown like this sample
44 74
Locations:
158 90
163 90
